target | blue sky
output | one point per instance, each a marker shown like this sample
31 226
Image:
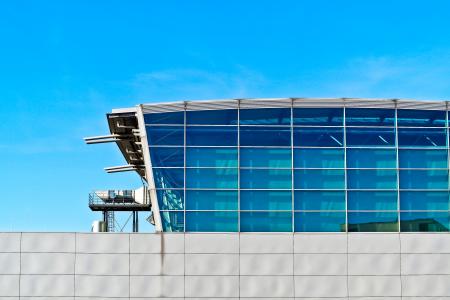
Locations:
64 64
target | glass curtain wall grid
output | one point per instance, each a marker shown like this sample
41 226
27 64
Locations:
301 169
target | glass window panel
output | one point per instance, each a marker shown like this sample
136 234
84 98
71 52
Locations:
266 179
212 178
212 117
266 200
423 179
211 157
319 200
429 159
211 200
168 178
422 137
170 199
172 221
318 158
320 222
265 136
372 221
424 200
319 179
371 158
211 136
369 117
318 136
375 137
167 156
319 116
265 158
266 221
371 200
165 135
211 221
420 118
372 179
176 118
265 116
424 221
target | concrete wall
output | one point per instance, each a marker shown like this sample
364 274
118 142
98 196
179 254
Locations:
42 266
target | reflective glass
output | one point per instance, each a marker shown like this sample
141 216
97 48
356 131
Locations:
172 221
167 156
212 117
212 178
265 136
266 221
266 179
424 200
423 179
211 221
420 118
369 117
319 200
429 159
176 118
211 136
168 178
170 199
265 116
165 135
319 179
422 137
318 136
319 222
211 200
371 158
266 200
318 158
211 157
372 221
371 200
319 116
424 221
265 158
375 137
372 179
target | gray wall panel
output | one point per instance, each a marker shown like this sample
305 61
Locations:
320 264
212 264
320 243
156 243
48 242
9 285
102 243
266 243
426 264
47 263
367 286
157 286
212 286
266 264
374 243
157 264
426 285
46 285
425 243
10 263
10 241
320 286
374 264
101 286
212 243
266 286
102 264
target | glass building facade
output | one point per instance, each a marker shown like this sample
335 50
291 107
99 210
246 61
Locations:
301 169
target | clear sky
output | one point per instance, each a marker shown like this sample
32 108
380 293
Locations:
64 64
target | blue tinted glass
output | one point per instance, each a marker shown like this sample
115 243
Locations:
211 136
176 118
265 136
212 221
165 135
370 200
211 200
265 158
420 118
319 200
172 221
372 221
369 117
423 179
372 179
429 159
168 178
318 136
266 221
424 200
422 137
170 199
318 158
371 158
319 116
319 222
266 200
212 117
265 116
211 157
167 156
266 179
319 179
424 221
375 137
212 178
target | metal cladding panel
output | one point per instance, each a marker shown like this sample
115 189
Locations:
374 264
102 264
101 286
10 263
9 285
102 243
321 286
10 242
426 264
320 264
46 285
426 286
212 105
374 243
157 264
47 263
212 286
212 264
374 286
266 286
48 242
212 243
266 264
156 286
157 243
